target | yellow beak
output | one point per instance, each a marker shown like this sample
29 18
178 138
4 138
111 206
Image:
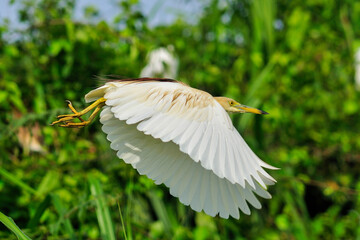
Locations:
248 109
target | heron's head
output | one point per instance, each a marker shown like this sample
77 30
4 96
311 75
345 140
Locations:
231 105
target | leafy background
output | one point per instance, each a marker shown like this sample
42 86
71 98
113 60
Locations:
294 59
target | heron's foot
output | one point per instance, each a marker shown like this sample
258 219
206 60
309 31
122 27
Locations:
74 124
67 120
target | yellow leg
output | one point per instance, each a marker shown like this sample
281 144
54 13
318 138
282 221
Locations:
67 120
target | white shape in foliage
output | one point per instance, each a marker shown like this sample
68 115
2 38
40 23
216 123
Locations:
162 63
357 69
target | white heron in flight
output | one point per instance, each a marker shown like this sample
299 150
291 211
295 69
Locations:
181 137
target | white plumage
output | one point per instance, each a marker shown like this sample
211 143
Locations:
184 138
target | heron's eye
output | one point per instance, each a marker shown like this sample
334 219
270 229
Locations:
231 103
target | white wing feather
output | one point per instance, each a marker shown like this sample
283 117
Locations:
163 162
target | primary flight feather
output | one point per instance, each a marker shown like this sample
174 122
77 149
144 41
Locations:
182 137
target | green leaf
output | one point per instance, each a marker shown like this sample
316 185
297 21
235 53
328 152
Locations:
15 180
48 183
11 225
102 210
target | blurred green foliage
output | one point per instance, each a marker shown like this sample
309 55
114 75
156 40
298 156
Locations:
294 59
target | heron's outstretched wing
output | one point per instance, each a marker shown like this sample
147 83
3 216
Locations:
192 119
188 180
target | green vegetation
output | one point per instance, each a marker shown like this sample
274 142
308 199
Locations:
68 184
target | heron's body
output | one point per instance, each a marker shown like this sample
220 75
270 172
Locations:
184 138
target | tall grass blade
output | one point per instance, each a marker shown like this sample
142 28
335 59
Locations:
15 180
299 228
128 208
60 208
102 210
259 81
263 17
160 210
10 224
255 85
122 222
34 221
